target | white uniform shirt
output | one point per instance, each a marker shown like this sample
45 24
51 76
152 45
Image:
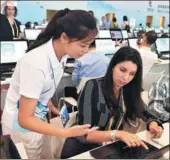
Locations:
33 78
148 59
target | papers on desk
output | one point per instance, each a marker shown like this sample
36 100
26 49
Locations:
159 143
161 61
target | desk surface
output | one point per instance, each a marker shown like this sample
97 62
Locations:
145 135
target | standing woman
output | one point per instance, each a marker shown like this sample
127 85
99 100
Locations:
37 75
13 27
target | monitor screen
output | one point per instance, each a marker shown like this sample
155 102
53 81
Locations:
40 27
133 43
32 34
124 34
162 44
149 29
11 51
157 30
104 46
166 30
116 34
104 34
22 27
135 33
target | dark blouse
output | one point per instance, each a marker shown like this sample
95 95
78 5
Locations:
92 109
6 30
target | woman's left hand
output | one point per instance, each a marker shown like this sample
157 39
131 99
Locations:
155 130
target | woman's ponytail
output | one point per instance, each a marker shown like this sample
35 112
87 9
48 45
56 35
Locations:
53 29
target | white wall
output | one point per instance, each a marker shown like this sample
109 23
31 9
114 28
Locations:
56 5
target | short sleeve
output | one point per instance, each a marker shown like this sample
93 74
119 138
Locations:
31 81
76 72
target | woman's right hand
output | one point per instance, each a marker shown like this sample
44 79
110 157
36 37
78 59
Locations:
130 139
79 130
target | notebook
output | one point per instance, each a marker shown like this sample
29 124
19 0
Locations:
119 150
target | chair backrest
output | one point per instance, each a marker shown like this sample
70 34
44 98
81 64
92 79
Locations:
83 82
151 78
145 97
57 143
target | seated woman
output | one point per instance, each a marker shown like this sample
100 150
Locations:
111 101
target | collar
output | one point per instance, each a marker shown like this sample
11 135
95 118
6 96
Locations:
52 56
146 48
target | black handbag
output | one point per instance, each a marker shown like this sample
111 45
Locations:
8 148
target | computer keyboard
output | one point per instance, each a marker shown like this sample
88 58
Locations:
130 153
119 150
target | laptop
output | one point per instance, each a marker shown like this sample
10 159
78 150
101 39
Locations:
104 34
11 51
157 30
119 150
105 46
133 43
116 34
32 34
124 34
162 45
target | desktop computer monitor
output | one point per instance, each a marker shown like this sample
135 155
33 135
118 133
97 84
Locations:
40 27
104 34
116 34
133 43
166 30
135 33
149 29
22 27
32 34
162 45
157 30
125 34
11 51
105 46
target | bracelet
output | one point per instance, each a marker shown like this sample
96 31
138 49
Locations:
113 135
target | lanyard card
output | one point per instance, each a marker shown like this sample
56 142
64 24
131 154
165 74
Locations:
64 115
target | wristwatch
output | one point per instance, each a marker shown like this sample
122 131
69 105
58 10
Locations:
113 135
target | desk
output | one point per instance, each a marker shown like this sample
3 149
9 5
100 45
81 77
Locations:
145 135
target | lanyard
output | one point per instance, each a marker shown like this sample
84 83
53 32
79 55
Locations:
13 32
123 113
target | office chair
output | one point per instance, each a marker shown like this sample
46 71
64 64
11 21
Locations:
71 94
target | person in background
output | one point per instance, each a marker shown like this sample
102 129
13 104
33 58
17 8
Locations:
140 34
111 101
148 25
148 57
37 76
102 23
4 28
13 26
28 25
159 103
97 21
140 26
107 22
90 65
114 24
35 24
125 23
